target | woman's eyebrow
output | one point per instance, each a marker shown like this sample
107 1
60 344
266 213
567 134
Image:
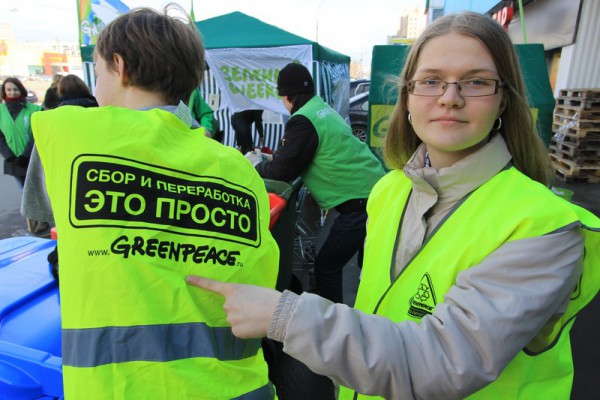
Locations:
470 71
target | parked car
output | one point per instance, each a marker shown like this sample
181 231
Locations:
359 86
32 96
358 113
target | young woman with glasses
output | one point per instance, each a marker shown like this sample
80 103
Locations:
473 268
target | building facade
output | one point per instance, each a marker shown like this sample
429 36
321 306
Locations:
36 59
412 23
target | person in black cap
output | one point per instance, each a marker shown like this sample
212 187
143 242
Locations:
338 169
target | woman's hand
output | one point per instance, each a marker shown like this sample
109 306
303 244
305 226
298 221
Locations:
249 308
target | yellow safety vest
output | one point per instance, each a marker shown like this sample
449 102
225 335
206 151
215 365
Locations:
140 201
508 207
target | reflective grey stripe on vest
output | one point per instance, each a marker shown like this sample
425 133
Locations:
160 343
264 393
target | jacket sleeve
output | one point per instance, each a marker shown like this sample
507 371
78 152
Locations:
4 149
35 203
492 312
28 148
298 148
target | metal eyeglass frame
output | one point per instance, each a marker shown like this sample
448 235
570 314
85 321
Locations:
411 87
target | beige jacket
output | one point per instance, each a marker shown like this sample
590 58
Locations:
495 309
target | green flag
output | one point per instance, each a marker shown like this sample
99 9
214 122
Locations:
94 15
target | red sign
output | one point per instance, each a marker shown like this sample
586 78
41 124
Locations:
53 58
504 16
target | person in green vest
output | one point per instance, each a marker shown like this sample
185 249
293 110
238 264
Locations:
474 270
203 113
16 141
337 168
141 198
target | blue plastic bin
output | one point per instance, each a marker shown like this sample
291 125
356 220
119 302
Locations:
30 335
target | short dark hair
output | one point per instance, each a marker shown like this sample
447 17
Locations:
162 54
15 81
72 84
56 79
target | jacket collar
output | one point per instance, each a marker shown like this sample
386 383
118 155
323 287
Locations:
453 183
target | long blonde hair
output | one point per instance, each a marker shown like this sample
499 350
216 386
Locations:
518 130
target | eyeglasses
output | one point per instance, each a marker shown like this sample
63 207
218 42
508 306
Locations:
468 88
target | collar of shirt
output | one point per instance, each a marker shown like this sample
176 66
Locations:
192 123
454 182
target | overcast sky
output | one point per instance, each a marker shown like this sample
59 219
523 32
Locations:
351 27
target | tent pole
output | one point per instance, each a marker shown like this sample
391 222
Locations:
522 21
317 75
318 11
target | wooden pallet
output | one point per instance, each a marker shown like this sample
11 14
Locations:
590 133
576 122
573 149
573 168
573 141
580 93
577 113
560 176
572 102
567 151
582 143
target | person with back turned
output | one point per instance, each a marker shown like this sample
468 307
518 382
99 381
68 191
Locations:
338 169
141 197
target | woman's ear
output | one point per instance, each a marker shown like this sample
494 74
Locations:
121 69
287 103
503 103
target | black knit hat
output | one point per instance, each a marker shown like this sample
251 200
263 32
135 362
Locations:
294 79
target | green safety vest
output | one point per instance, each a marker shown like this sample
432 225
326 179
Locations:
17 132
140 201
343 167
522 209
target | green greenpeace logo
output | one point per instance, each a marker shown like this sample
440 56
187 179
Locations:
423 302
380 121
117 192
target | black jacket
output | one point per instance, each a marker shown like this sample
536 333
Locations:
78 99
51 98
298 146
297 150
